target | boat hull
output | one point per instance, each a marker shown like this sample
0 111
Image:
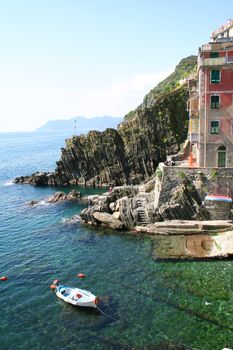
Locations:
76 296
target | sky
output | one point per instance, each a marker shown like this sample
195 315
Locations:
65 58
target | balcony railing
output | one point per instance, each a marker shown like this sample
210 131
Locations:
218 61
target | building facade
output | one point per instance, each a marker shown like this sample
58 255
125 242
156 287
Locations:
211 102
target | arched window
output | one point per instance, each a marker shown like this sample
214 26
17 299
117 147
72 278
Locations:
222 157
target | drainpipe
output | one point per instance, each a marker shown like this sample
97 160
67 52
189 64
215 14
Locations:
205 119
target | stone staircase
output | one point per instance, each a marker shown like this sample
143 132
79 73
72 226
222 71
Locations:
141 204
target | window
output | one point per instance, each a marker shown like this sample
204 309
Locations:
215 76
214 127
214 104
214 54
222 157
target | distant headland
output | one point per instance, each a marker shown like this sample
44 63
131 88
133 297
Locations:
79 125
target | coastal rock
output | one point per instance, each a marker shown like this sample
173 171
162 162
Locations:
59 197
135 207
131 153
185 204
108 220
117 215
106 203
32 203
112 206
74 195
125 201
62 196
126 212
43 179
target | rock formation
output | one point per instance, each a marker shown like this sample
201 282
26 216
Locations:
108 209
185 204
60 197
43 179
134 205
130 154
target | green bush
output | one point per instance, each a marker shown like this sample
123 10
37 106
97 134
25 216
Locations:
214 174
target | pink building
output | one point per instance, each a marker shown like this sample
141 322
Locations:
211 102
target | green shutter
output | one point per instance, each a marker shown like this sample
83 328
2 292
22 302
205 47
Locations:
214 127
215 76
221 159
214 102
214 54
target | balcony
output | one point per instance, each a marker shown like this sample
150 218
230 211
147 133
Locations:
218 61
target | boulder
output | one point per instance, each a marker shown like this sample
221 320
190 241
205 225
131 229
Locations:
112 206
57 197
74 195
33 202
108 220
116 214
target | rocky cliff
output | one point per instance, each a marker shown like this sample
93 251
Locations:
130 154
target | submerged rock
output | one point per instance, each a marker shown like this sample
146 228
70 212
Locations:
201 246
33 202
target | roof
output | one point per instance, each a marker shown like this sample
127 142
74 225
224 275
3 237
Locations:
222 29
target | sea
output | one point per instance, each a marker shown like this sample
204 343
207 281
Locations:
145 304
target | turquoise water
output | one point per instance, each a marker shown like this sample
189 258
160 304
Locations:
155 305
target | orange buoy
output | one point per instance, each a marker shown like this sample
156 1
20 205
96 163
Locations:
3 278
53 287
81 275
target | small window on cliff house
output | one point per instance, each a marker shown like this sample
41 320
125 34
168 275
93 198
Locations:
215 76
214 54
215 102
214 127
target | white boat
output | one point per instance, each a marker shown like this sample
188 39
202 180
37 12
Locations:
76 296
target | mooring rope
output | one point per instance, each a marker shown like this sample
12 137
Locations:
102 312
